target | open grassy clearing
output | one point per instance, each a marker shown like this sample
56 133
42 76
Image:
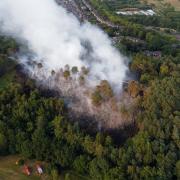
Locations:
10 171
157 3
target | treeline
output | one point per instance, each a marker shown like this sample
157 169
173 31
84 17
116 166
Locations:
150 41
7 45
150 69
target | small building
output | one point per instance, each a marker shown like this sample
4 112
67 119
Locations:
26 170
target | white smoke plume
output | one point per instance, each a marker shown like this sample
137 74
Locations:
57 38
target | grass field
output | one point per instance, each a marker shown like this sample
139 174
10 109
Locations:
157 3
10 171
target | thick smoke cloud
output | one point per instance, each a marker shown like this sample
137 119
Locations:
57 38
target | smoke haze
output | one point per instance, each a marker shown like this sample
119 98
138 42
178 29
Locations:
56 38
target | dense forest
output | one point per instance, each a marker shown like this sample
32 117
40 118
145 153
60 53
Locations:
36 124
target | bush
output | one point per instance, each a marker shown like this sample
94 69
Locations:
20 162
54 174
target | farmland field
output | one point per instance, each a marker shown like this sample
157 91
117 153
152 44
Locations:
174 3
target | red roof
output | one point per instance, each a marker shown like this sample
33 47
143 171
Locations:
26 170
